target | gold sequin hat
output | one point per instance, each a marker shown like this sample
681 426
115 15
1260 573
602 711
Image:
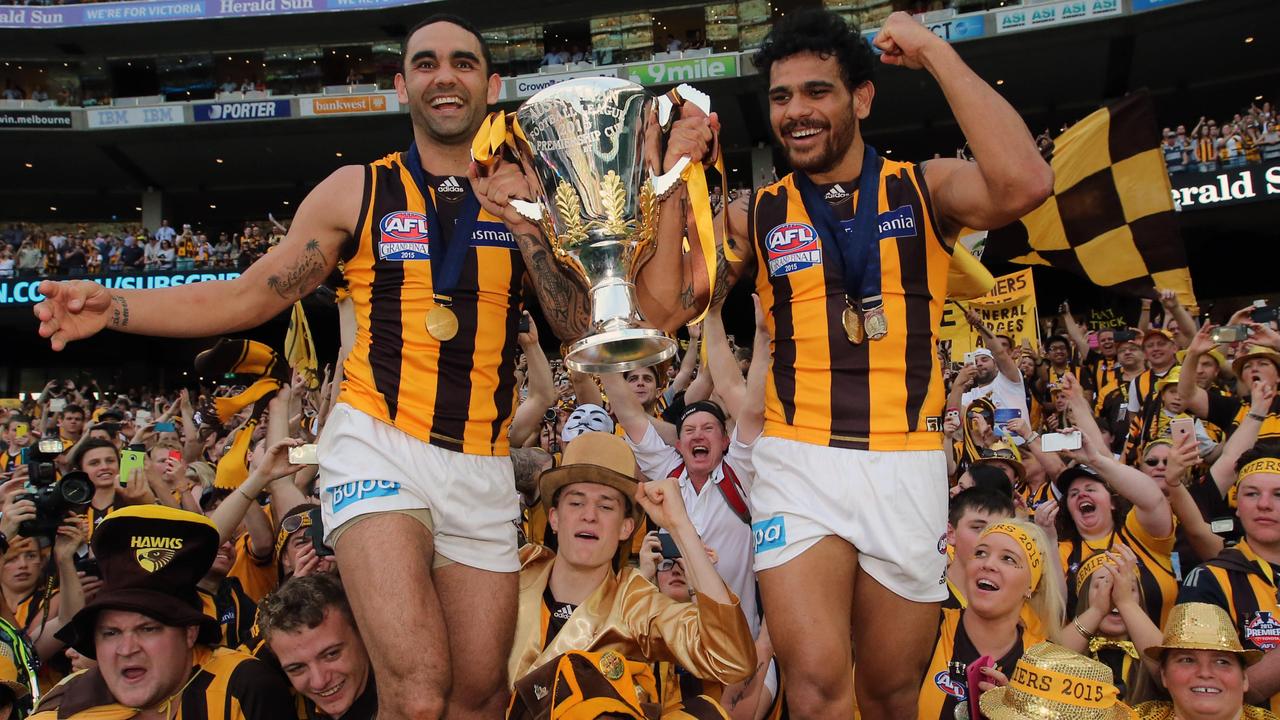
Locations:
1050 681
1201 626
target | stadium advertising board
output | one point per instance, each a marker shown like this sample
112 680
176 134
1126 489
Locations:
247 110
1144 5
670 72
27 291
1032 17
349 104
521 87
1254 183
35 120
959 28
138 11
110 117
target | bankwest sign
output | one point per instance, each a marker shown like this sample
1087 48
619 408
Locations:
1254 183
349 104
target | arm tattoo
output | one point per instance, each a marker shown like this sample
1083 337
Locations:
299 280
564 301
722 277
119 311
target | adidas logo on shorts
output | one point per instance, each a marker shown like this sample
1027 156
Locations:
450 185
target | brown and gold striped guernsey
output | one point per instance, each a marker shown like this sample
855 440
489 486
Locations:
878 395
458 394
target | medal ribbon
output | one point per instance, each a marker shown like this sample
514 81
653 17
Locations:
856 243
451 244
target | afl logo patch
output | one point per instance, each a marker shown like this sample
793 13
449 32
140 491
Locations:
404 236
948 685
1263 631
792 247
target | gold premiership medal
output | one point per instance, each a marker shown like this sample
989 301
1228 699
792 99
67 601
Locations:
852 325
611 665
442 323
877 324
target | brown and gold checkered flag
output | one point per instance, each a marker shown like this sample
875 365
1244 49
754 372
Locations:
1111 217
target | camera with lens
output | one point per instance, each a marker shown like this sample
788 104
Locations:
53 497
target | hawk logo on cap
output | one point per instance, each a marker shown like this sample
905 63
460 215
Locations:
153 553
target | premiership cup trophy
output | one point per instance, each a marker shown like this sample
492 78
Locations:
586 142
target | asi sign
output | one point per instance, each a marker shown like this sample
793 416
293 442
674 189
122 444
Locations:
1032 17
678 71
250 110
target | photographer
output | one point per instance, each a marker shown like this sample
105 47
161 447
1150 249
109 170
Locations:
40 607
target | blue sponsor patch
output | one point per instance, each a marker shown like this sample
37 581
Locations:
792 247
948 685
404 236
897 223
769 534
353 492
492 234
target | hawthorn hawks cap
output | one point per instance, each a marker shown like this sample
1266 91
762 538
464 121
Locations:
151 558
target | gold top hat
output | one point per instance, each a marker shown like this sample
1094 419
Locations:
1050 681
1201 626
1255 351
594 457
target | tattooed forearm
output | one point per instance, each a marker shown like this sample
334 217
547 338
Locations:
564 302
119 311
304 276
723 284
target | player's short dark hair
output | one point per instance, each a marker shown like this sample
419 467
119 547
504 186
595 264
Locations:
301 603
454 20
821 32
978 499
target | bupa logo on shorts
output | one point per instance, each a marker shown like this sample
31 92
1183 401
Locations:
353 492
1263 631
792 247
769 534
948 685
404 236
897 223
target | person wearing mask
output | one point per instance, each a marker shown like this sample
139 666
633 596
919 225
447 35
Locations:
1007 572
157 654
1204 668
308 625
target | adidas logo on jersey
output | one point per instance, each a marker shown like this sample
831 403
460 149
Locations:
835 193
450 185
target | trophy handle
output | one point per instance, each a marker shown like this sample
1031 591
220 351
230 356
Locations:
662 183
531 211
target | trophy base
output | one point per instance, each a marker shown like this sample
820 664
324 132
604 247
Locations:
620 351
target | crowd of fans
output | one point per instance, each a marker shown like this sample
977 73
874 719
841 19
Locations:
33 251
1250 136
1104 488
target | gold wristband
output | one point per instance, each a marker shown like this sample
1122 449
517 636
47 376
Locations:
1080 629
